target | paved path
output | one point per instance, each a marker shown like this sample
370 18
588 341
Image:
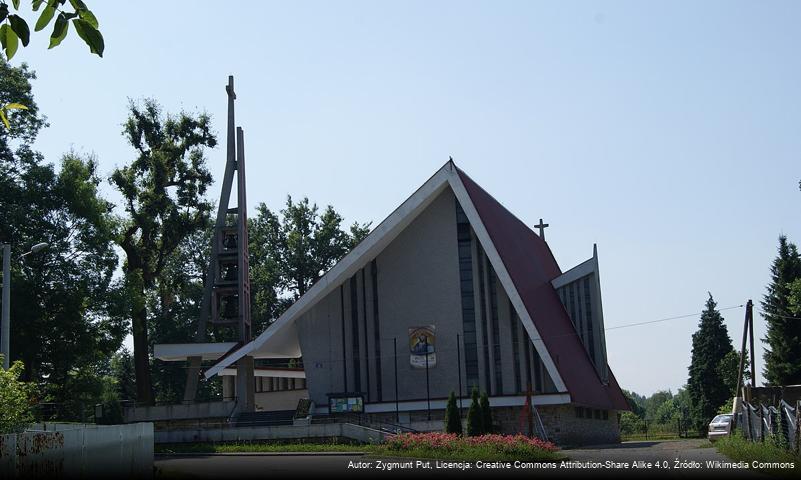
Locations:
698 450
591 462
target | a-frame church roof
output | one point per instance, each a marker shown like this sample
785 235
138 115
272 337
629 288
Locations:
525 267
531 265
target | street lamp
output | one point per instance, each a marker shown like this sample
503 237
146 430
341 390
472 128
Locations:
5 321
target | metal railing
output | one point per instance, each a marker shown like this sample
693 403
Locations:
364 420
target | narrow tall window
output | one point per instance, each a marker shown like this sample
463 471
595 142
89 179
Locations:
354 323
465 246
496 330
366 338
485 337
527 352
344 343
514 324
588 306
376 330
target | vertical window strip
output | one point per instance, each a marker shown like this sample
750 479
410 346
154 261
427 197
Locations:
464 239
496 330
514 323
572 304
354 323
483 303
590 333
366 338
376 331
344 344
579 318
537 371
527 352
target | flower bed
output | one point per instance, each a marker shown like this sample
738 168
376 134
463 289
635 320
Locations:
452 446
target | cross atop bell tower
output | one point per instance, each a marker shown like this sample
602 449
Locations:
226 295
541 227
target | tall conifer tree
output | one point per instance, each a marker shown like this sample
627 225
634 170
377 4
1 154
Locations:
475 420
453 422
783 340
711 343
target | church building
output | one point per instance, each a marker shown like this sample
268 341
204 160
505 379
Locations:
450 292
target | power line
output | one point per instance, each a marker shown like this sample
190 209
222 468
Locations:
765 314
669 318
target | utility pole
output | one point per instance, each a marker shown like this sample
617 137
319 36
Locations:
749 314
5 316
741 371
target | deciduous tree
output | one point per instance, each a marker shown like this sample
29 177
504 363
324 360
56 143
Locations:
163 190
290 251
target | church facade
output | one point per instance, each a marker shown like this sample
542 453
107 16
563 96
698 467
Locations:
452 292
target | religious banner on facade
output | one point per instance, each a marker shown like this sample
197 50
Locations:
421 346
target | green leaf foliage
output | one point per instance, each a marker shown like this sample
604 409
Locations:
290 250
15 397
20 27
89 18
11 41
65 301
90 35
163 190
44 19
60 30
86 25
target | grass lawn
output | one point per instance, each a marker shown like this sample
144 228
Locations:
739 449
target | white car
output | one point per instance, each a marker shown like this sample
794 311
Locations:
720 426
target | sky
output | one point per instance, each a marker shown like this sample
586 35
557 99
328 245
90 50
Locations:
666 132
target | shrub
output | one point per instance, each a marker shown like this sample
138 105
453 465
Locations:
475 421
453 421
452 446
486 414
739 449
15 403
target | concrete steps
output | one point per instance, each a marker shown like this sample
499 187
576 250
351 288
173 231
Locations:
264 419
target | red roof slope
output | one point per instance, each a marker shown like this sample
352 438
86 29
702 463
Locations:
532 266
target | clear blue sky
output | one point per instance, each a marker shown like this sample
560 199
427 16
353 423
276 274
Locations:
666 132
